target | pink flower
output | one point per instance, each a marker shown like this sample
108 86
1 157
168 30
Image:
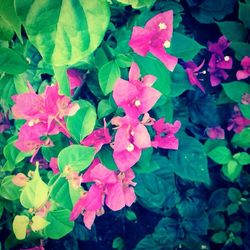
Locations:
192 71
98 138
154 38
245 99
216 133
121 193
54 165
245 73
90 205
134 96
218 62
237 121
164 137
75 78
131 137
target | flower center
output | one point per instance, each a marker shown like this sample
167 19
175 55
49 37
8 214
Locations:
137 103
162 26
167 44
130 147
132 133
226 58
33 122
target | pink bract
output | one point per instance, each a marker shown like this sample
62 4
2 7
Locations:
165 137
154 37
216 133
131 137
245 73
136 96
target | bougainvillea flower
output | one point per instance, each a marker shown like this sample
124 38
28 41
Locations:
245 73
20 179
217 76
154 38
54 165
219 46
121 193
75 79
134 96
29 138
131 137
165 137
192 71
216 133
237 121
99 174
98 138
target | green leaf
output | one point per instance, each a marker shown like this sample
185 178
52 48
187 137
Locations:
60 225
35 192
104 108
9 190
242 139
220 155
180 82
235 90
9 16
184 47
243 158
62 78
107 76
152 66
244 10
75 157
83 122
219 237
6 32
246 205
234 194
240 49
106 157
64 32
38 223
211 144
190 160
11 62
137 4
123 60
234 31
118 243
131 215
232 208
235 227
20 224
245 110
232 170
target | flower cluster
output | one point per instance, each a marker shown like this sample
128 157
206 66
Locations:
218 61
43 114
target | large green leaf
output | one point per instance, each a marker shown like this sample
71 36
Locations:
20 224
190 161
244 10
11 62
35 192
83 122
107 76
220 155
184 47
64 32
8 17
240 49
151 65
234 31
60 225
242 139
8 189
235 90
75 157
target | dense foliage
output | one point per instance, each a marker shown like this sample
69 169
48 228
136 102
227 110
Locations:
124 124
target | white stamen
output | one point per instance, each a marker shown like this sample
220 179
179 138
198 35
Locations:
204 72
130 147
31 123
162 26
132 133
137 103
167 44
226 58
